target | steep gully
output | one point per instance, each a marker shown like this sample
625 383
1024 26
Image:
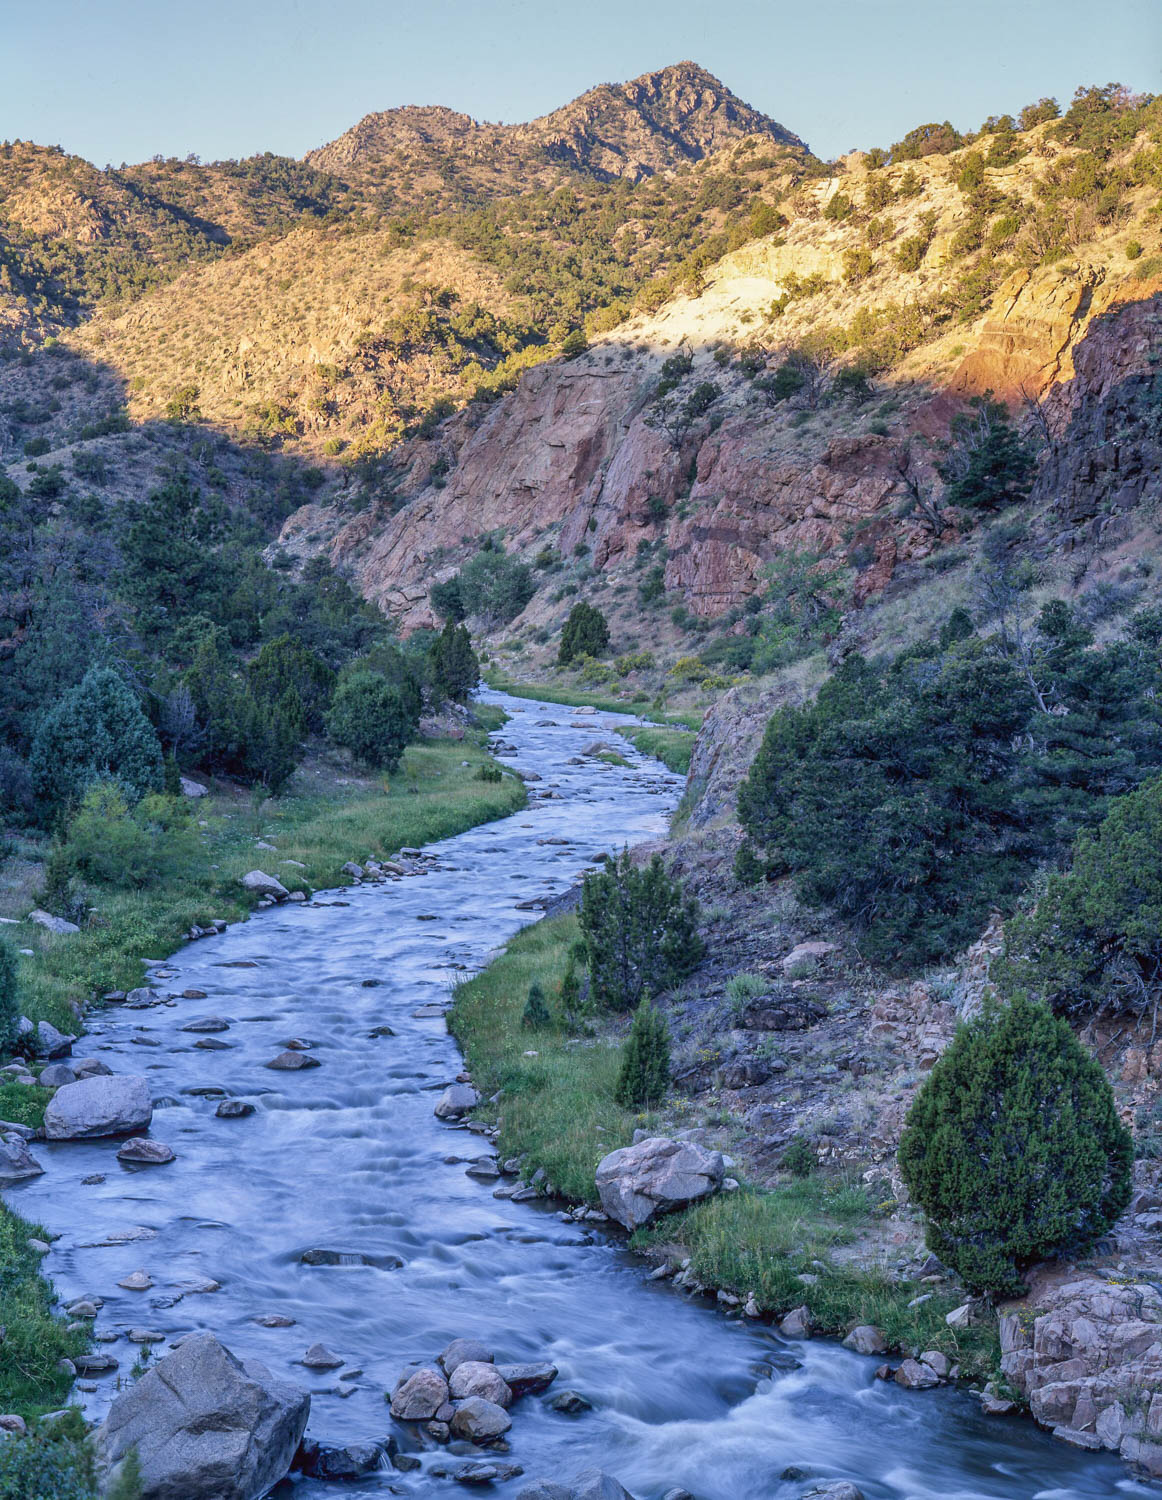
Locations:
349 1157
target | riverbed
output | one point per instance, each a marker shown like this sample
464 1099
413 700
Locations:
348 1157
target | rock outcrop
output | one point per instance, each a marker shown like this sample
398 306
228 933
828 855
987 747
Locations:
656 1176
1087 1352
206 1426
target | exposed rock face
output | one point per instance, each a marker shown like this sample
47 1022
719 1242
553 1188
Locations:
655 1176
119 1104
1088 1354
206 1426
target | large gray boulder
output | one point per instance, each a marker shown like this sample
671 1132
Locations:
456 1100
263 884
206 1426
655 1176
119 1104
592 1484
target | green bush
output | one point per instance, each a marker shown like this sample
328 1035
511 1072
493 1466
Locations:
645 1064
585 633
748 868
125 847
453 665
287 673
1094 940
46 1465
495 587
96 732
799 1158
369 717
536 1016
1013 1147
9 1003
640 931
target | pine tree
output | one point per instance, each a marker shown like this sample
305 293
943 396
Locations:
1014 1148
9 1006
454 665
570 989
536 1015
645 1065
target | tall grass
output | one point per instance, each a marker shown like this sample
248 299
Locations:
34 1340
673 747
432 797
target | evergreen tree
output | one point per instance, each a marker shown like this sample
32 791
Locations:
285 667
446 599
453 663
1014 1148
585 633
9 1005
536 1015
96 732
570 989
987 463
640 931
369 718
645 1064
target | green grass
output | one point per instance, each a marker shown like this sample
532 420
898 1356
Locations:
575 697
611 758
21 1105
35 1339
558 1111
433 796
673 747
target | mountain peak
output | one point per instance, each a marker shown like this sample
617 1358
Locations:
652 123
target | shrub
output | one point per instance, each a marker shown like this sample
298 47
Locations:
645 1064
1133 251
535 1016
96 732
46 1465
447 600
126 848
495 587
489 773
9 1003
369 717
640 931
748 868
454 666
799 1158
634 661
1013 1147
1094 941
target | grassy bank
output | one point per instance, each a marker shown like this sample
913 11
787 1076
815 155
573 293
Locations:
574 697
329 816
673 747
558 1111
34 1339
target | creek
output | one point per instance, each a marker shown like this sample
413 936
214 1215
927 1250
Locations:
349 1157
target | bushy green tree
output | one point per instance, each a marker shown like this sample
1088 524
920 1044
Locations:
535 1015
1094 940
284 671
494 586
645 1063
447 600
1013 1147
986 463
9 1004
110 842
640 931
96 732
369 718
454 666
585 633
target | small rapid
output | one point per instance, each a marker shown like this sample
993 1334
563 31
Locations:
348 1158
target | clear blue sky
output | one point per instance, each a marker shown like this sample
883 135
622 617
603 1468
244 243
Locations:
118 80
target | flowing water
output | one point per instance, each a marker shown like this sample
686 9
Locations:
349 1157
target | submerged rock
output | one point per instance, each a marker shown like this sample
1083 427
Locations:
206 1426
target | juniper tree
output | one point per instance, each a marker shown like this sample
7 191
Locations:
640 931
645 1064
95 732
1013 1147
9 1006
535 1016
585 633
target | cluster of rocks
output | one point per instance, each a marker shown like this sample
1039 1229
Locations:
464 1399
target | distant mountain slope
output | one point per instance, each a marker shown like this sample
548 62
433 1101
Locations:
633 130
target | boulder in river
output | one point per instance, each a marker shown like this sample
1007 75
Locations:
56 1075
234 1109
149 1153
456 1100
17 1162
117 1104
475 1378
545 1489
592 1484
206 1426
293 1062
865 1339
839 1489
316 1460
420 1396
479 1421
527 1380
459 1351
52 1043
655 1176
